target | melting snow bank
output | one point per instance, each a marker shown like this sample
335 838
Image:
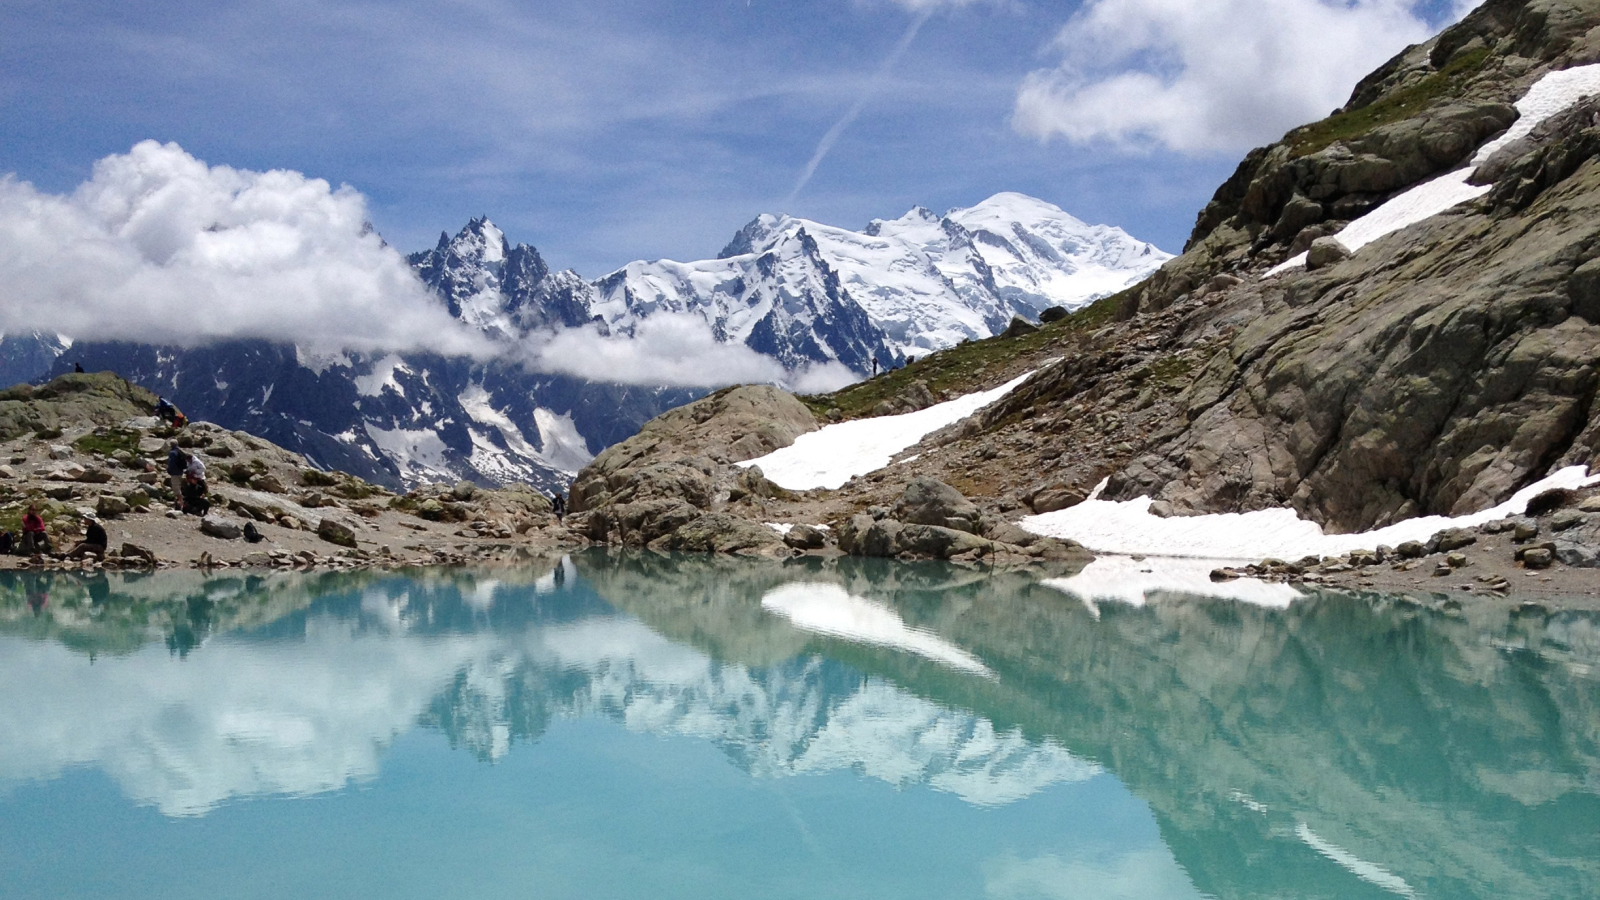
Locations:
1551 94
1127 527
832 455
1124 579
830 609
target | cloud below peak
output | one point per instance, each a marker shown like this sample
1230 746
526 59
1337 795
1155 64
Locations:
1213 77
157 246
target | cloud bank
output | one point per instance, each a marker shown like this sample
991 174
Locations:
674 349
1214 77
159 247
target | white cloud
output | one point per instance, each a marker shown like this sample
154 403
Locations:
159 247
676 349
1218 76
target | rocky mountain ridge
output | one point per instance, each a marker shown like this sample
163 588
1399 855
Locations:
407 419
1435 370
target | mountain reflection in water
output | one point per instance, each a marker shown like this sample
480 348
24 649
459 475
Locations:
1405 750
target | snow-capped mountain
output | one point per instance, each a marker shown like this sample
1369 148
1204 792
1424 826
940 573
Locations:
798 291
925 282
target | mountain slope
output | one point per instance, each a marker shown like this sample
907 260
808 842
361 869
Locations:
1445 362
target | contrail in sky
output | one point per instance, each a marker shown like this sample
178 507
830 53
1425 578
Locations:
832 137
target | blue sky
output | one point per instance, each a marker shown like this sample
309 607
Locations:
607 130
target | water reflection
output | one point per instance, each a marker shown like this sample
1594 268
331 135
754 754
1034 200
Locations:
1328 747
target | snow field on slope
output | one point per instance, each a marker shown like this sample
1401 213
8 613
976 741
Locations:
1125 579
1555 92
832 455
1128 528
830 609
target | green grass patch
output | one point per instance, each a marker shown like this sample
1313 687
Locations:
1166 370
107 441
1392 107
960 367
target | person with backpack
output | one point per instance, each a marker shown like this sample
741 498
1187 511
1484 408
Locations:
195 501
177 462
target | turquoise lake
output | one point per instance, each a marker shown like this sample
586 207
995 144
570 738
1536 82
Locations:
643 726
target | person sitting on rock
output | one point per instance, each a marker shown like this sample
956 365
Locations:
195 467
94 541
195 501
34 540
165 411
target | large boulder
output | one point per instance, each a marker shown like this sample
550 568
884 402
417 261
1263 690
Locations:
928 501
335 532
730 426
219 527
722 533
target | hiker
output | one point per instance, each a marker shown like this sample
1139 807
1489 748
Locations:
180 421
195 467
34 540
559 504
77 367
177 462
165 411
8 542
195 501
94 541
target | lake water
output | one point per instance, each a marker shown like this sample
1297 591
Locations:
651 727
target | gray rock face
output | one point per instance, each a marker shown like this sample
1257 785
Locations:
219 527
1442 367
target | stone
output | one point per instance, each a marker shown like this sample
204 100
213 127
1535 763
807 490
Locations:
1567 518
7 471
1576 555
336 532
1454 539
110 506
93 476
59 451
1161 509
267 483
1054 498
1589 504
1019 327
1409 549
806 537
1456 560
928 501
1537 558
219 527
257 559
1326 251
1523 532
1052 314
134 551
1498 526
722 533
464 491
66 492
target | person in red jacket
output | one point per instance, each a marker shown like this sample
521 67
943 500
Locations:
34 541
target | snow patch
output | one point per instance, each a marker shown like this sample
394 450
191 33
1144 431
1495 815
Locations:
564 447
381 376
832 455
1128 528
1551 94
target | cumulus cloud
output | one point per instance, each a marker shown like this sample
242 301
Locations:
1219 76
676 349
159 247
